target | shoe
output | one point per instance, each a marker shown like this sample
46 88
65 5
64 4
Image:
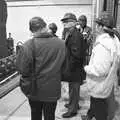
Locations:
67 106
69 115
85 117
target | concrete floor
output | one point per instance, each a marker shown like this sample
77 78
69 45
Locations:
14 106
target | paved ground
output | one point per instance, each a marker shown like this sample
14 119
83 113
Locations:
8 85
14 106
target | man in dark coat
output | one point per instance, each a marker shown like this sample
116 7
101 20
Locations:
46 53
74 72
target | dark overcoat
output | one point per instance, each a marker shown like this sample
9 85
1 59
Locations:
75 56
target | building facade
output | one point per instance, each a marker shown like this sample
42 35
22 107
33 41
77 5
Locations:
20 12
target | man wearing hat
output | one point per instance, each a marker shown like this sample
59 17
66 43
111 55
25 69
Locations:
73 72
39 61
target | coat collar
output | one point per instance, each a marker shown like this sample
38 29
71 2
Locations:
42 35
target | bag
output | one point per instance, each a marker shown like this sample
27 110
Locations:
28 85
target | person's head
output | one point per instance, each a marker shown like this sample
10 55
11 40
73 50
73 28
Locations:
69 20
52 27
105 22
36 24
82 20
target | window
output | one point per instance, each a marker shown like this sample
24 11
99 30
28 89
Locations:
105 5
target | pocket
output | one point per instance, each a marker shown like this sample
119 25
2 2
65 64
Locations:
25 85
28 86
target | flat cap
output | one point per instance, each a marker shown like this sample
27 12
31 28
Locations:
68 16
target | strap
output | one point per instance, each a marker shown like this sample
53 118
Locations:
116 33
33 56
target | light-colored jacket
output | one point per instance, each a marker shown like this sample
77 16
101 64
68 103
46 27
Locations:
102 68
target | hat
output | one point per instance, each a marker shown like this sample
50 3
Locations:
105 19
36 23
69 16
53 27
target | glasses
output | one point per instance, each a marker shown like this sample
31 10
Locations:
66 21
82 20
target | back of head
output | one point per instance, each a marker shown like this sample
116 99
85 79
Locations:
36 23
53 27
82 18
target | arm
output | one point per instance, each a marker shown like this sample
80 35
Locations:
23 61
100 62
90 35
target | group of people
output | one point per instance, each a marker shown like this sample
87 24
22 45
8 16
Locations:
46 60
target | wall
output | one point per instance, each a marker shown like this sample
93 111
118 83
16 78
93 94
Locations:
19 14
118 17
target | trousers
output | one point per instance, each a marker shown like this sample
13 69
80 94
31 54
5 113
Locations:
48 109
74 95
98 108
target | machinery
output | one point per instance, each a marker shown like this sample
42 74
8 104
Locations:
7 55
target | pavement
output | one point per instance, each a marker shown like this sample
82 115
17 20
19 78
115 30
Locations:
9 84
14 106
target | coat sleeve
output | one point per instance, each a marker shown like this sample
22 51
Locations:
100 63
24 61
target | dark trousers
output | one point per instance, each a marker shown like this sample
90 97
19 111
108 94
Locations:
112 105
74 92
98 109
48 109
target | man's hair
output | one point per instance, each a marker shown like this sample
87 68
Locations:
82 18
36 23
53 27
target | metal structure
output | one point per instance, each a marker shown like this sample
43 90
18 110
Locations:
111 6
3 20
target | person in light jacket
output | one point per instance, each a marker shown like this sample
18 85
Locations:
48 54
102 68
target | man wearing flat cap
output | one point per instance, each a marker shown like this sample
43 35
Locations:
73 71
